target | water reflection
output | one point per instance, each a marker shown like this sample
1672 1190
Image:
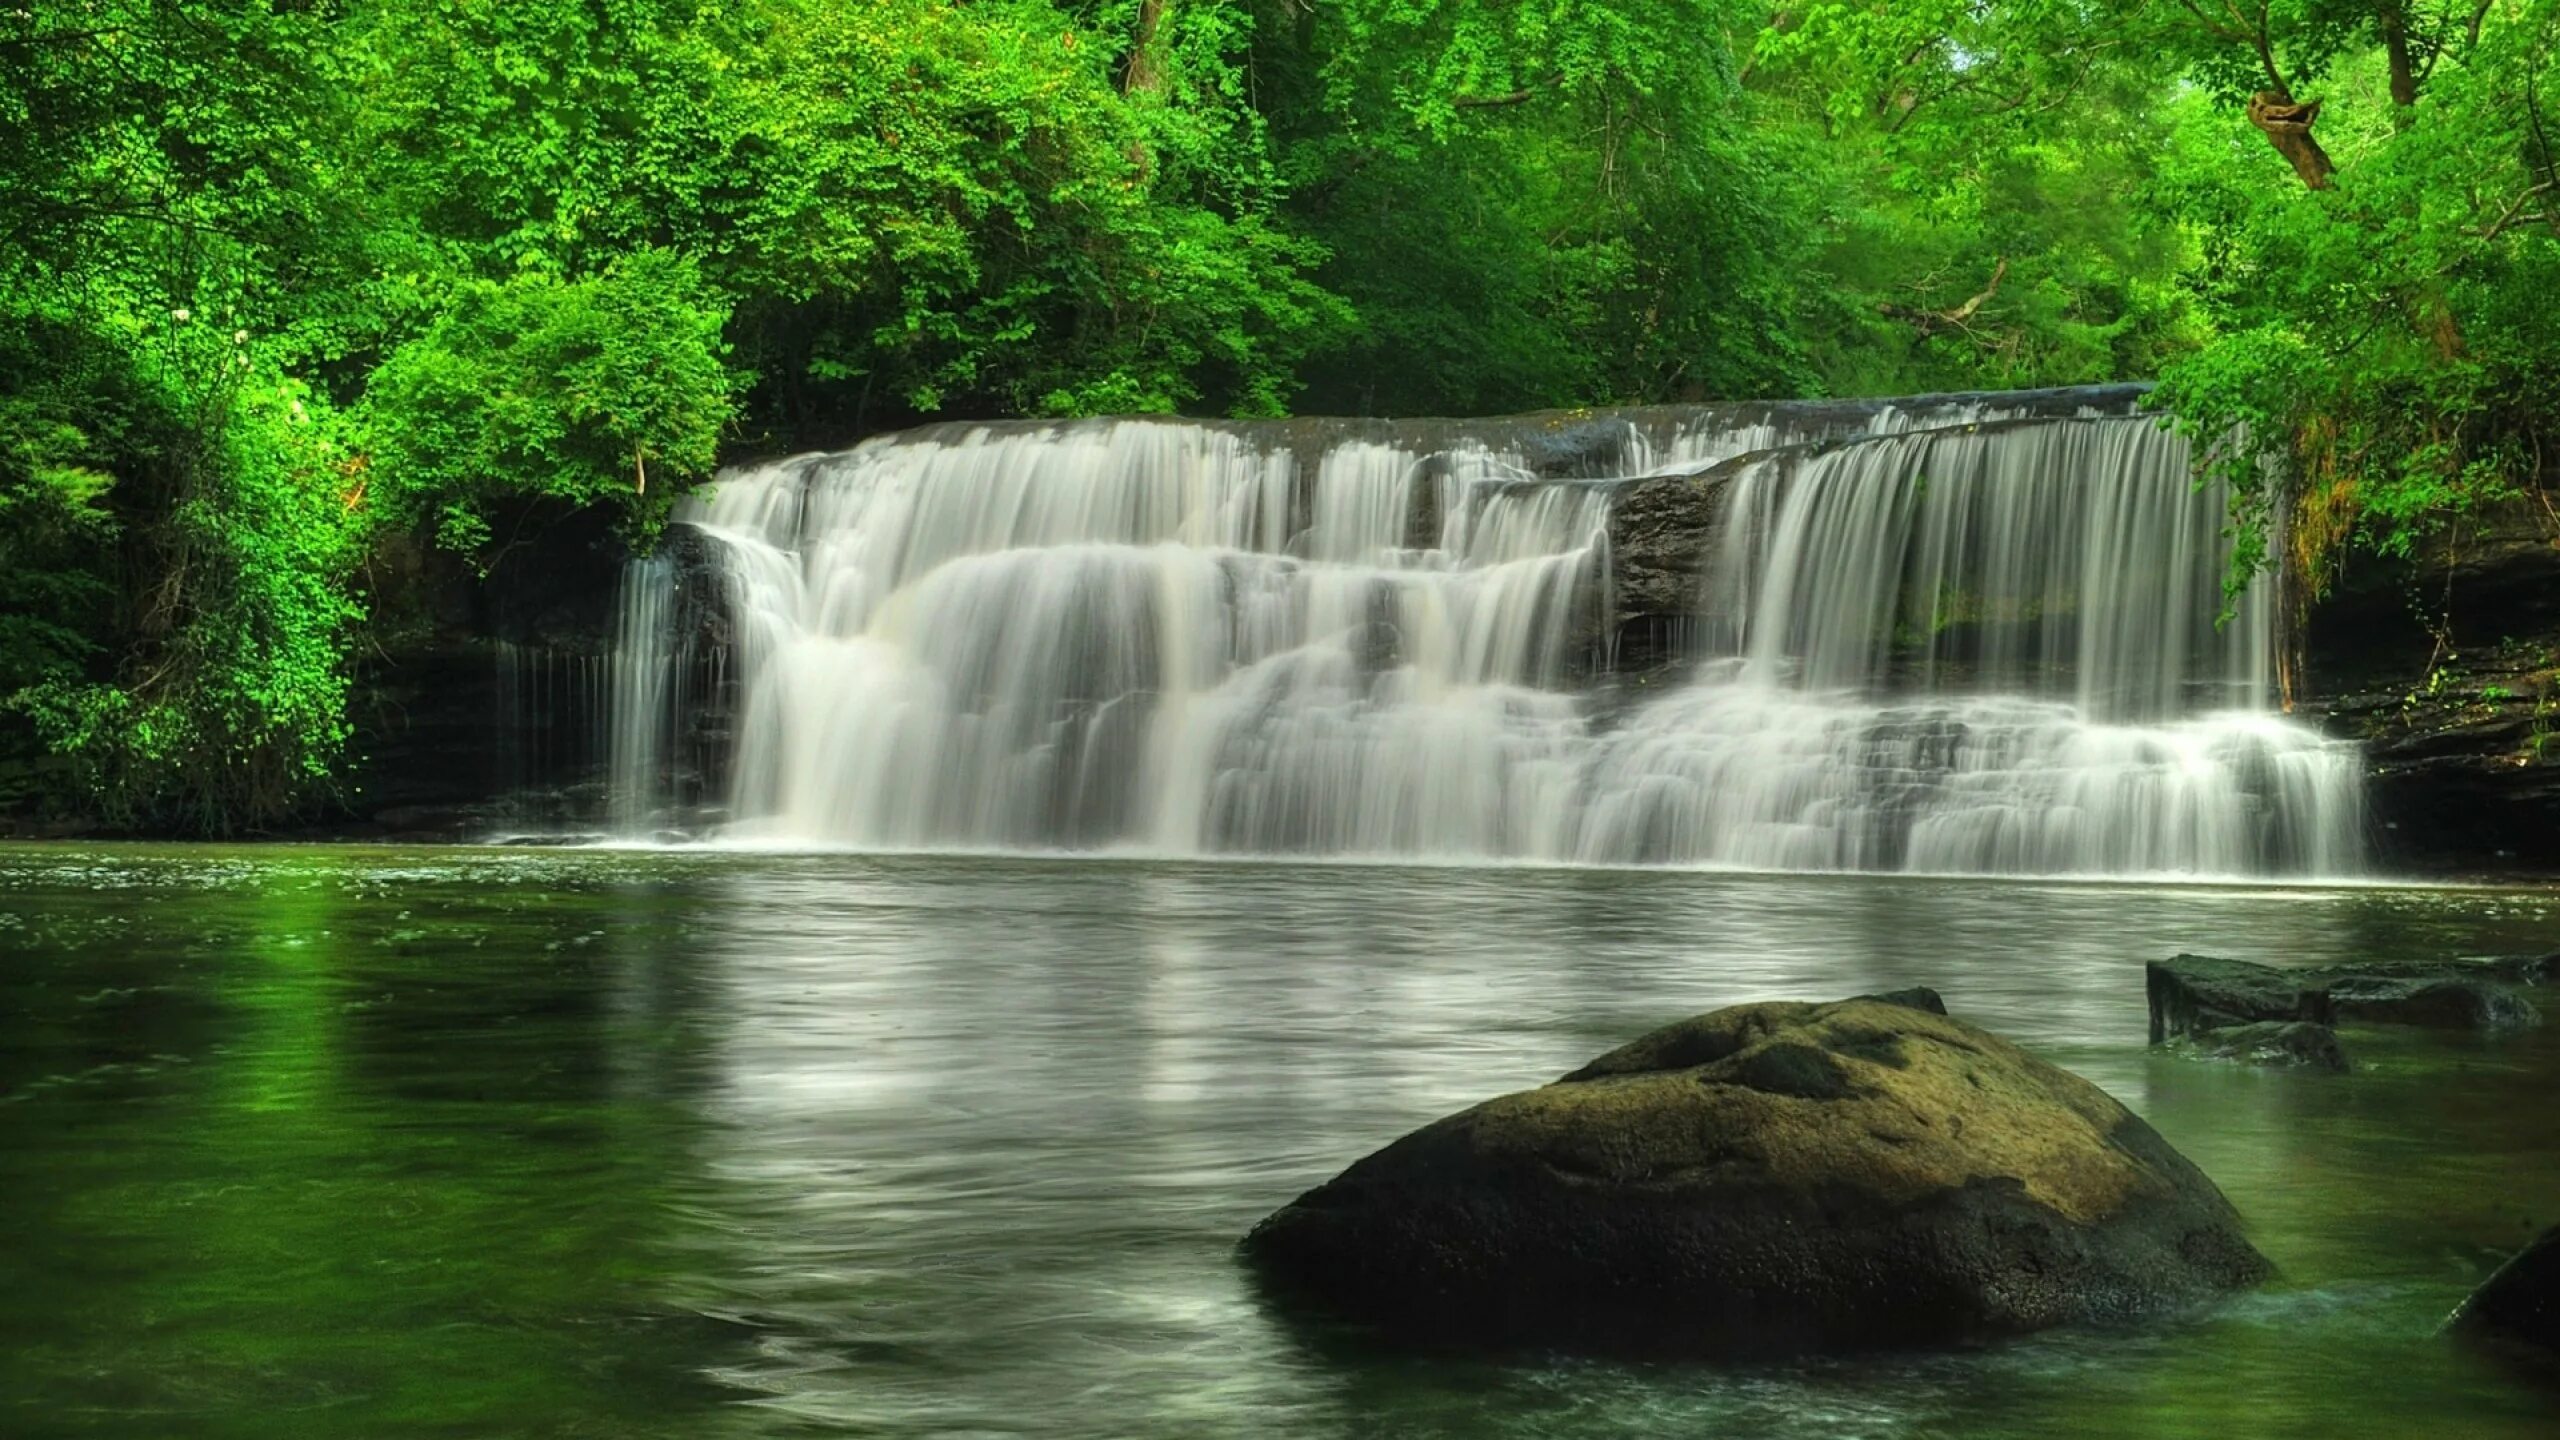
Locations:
772 1145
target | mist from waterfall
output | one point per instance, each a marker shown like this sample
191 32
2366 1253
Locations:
1932 638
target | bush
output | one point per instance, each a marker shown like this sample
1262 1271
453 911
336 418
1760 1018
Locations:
610 389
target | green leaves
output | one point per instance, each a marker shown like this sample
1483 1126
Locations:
283 279
2387 338
227 701
585 392
2354 287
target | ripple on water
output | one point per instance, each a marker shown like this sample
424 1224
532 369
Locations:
676 1144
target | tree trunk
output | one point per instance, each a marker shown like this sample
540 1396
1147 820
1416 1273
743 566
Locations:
2404 70
1144 74
2286 123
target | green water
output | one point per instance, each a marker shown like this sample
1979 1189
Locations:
341 1142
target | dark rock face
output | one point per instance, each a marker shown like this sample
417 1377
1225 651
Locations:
485 710
2200 994
1767 1179
437 752
1660 534
2517 1309
2268 1042
2460 723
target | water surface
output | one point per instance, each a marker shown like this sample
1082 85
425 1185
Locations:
458 1143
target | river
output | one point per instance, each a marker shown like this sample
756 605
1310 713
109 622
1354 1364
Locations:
386 1143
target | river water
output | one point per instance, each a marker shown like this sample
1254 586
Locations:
593 1143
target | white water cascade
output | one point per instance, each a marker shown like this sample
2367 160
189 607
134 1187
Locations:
1936 637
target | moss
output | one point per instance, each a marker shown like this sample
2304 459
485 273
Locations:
1802 1090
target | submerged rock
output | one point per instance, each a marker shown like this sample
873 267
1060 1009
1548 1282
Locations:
2517 1309
2198 994
2269 1042
1766 1179
2448 1003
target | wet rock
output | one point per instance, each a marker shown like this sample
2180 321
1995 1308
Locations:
1577 449
2193 994
1661 529
1917 997
2269 1042
2198 994
2517 1309
1766 1179
2462 772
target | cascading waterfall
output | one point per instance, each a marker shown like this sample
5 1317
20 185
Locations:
1943 636
1994 649
644 690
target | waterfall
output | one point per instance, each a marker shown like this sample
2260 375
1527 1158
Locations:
552 706
641 719
1967 635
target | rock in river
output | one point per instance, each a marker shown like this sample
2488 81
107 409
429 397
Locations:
2517 1309
1767 1179
2197 994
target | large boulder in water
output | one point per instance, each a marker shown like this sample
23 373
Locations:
2200 994
1766 1179
2517 1309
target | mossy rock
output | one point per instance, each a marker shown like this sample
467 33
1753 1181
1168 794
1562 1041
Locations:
1767 1179
2201 994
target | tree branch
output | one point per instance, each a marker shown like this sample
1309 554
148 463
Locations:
58 37
1964 312
1959 318
2514 213
2287 125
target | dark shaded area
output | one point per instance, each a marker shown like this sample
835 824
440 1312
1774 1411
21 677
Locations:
2445 666
2515 1314
486 709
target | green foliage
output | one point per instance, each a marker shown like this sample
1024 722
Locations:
229 702
54 520
563 390
280 282
2387 338
177 631
1535 207
919 207
1986 173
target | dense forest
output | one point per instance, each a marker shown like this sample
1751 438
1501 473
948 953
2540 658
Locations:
289 285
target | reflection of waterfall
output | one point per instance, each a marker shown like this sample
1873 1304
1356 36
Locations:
1933 638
